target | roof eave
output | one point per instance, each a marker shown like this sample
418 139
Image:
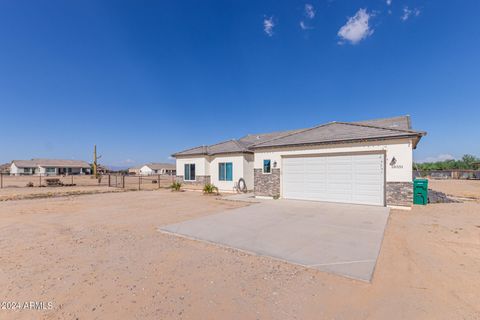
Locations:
176 155
418 136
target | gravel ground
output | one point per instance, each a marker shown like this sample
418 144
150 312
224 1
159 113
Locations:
100 257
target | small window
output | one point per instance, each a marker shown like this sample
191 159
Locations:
50 170
267 168
225 171
189 172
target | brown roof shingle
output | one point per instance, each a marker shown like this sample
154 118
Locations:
333 132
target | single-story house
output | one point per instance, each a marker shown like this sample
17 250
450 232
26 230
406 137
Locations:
157 168
5 168
367 162
135 170
48 167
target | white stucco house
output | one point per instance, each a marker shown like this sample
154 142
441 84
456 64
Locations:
48 167
155 168
367 162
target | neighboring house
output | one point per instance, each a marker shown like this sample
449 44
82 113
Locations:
135 170
157 168
48 167
368 162
5 168
102 169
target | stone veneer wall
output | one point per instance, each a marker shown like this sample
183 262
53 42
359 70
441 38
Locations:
399 193
199 180
267 185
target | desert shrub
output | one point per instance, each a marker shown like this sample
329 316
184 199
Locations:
210 188
176 186
30 184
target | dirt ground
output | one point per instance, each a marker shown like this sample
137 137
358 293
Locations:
100 257
7 194
459 188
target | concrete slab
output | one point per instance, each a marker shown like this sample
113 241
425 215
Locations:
338 238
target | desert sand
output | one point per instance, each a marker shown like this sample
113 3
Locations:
100 257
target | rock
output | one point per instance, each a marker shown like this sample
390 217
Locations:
439 197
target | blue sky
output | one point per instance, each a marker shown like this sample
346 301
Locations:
143 79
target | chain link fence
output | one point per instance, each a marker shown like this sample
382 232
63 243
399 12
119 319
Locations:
129 182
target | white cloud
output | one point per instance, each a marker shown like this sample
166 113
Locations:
356 28
309 11
407 13
440 157
389 2
268 26
304 26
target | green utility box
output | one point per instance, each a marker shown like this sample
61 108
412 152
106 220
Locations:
420 191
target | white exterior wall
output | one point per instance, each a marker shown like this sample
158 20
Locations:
400 149
14 170
145 171
43 171
238 171
248 174
202 165
208 166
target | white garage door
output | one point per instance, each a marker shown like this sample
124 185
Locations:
350 179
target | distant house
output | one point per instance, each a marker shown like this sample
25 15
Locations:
135 170
48 167
157 168
102 169
5 168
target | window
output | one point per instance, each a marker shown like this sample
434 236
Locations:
189 172
50 170
267 168
225 171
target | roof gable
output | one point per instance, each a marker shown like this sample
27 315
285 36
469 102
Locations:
336 132
402 122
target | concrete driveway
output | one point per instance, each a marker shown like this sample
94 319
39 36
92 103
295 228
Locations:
338 238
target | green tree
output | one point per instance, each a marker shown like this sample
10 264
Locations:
467 162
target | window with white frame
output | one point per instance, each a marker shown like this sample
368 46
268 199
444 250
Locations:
267 166
189 172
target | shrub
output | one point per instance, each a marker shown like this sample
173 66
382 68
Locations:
209 188
176 186
30 184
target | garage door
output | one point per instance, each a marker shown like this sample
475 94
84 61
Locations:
347 178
